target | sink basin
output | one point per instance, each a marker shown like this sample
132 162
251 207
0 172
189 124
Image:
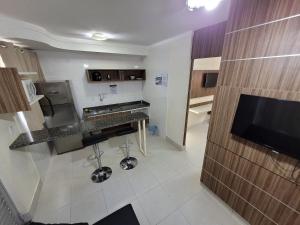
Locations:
96 112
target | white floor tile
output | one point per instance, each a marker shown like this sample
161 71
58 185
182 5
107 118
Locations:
163 189
117 192
183 186
176 218
204 210
139 213
56 192
142 179
83 186
89 209
61 215
156 204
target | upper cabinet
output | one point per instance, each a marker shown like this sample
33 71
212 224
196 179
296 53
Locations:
12 94
25 61
115 75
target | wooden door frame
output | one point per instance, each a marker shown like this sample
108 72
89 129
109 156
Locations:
214 36
188 102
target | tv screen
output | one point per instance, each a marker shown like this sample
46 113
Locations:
210 80
270 122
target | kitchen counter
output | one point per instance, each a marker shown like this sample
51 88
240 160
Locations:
114 108
51 134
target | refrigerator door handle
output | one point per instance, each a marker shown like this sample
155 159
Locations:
51 105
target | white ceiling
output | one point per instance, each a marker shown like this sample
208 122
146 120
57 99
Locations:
138 22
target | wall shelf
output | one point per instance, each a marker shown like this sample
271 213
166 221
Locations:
110 75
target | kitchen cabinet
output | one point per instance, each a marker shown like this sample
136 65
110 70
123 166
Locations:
12 94
25 61
110 75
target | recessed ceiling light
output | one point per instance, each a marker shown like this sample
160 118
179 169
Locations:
195 4
99 36
210 5
86 65
207 4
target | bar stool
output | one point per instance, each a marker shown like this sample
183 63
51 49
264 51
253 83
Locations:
128 162
102 173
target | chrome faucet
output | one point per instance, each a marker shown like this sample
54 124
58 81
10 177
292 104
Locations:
102 96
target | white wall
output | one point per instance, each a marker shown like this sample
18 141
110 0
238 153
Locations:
18 172
168 105
64 65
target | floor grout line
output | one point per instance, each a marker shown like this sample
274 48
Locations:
161 153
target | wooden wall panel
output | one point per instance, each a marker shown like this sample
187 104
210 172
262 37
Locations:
247 13
263 60
197 89
281 38
280 187
12 95
262 74
208 41
22 59
240 205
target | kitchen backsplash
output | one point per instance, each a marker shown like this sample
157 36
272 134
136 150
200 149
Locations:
71 66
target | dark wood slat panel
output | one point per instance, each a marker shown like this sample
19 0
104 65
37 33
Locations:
255 196
12 94
247 13
290 219
23 61
208 41
259 177
223 114
197 89
252 215
274 73
281 188
281 38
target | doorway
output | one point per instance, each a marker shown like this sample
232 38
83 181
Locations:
202 90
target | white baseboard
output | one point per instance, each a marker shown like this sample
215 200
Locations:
179 147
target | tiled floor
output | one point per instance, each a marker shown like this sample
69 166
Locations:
164 189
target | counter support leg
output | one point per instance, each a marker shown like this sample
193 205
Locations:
144 138
140 135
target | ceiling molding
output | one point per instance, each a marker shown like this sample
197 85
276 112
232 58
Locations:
17 29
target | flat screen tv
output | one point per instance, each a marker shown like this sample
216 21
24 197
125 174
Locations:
210 80
270 122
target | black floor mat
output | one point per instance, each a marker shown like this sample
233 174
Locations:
123 216
34 223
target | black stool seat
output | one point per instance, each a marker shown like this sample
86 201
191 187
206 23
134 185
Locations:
93 139
129 130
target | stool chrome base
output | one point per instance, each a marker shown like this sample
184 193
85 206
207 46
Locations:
128 163
100 175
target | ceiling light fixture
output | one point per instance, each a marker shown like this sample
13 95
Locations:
99 37
207 4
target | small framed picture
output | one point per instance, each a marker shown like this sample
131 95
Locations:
158 80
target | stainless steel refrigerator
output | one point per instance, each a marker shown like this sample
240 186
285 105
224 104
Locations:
59 111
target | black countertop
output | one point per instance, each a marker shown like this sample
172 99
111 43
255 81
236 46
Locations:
51 134
114 108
